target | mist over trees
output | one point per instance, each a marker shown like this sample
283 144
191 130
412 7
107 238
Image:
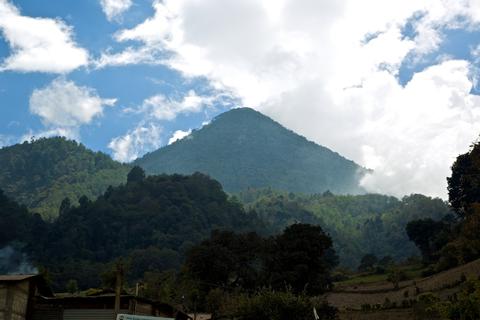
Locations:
359 225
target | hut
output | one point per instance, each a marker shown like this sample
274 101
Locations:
101 307
17 293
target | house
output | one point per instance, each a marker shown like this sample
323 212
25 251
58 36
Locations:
100 307
17 293
25 297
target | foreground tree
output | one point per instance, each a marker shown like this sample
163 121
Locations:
227 260
301 258
368 262
464 183
429 236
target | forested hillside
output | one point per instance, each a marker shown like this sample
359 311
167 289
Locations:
359 225
243 148
41 173
149 221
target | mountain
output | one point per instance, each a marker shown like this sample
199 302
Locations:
41 173
243 149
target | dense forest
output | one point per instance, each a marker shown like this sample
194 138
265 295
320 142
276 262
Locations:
359 225
243 149
154 220
41 173
151 221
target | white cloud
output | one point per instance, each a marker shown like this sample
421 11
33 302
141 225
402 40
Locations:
114 8
144 138
128 56
179 135
475 52
38 44
307 64
6 140
67 132
64 104
161 107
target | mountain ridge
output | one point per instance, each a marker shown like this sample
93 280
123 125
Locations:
42 172
253 151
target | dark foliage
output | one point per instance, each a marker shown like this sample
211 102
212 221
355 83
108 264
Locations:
452 242
300 259
429 236
15 221
244 149
368 262
150 222
464 183
227 260
358 225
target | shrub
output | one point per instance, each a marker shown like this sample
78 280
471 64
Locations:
267 304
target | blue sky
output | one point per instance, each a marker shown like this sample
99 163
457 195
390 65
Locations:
391 86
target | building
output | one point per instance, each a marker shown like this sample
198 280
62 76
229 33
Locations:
17 293
26 297
101 307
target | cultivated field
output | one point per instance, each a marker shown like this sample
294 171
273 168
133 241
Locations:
349 298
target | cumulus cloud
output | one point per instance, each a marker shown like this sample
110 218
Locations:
330 71
143 138
114 8
6 140
128 56
38 44
64 104
161 107
179 135
67 132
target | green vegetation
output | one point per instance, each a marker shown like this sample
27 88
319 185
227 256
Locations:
363 224
227 271
454 242
244 149
267 304
149 221
41 173
301 258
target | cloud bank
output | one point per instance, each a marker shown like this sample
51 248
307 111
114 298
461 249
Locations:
330 70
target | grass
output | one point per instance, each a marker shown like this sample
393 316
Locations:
411 271
362 289
362 279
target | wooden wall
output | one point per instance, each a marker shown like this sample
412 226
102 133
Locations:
14 300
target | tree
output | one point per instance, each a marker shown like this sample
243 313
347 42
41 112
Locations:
227 259
64 206
368 262
464 183
72 286
429 236
297 258
135 175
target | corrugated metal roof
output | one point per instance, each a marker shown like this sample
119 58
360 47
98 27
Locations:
16 277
